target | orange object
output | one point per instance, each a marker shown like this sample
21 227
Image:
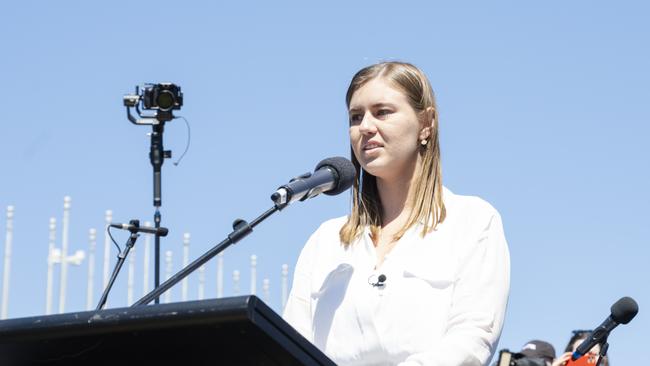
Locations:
587 360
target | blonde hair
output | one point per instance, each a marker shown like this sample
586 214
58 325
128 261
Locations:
425 197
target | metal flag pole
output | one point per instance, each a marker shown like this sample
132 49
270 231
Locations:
50 266
130 279
64 253
108 218
220 275
186 261
253 289
201 282
145 262
7 263
90 287
285 284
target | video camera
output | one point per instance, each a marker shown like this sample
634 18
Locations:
162 98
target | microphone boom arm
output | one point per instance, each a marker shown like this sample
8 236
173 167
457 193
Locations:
241 229
332 176
121 257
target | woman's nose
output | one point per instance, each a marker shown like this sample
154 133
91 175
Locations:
367 125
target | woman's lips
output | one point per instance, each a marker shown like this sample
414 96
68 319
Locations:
371 145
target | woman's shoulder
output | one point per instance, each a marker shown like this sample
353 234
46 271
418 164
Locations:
471 220
468 208
331 227
325 239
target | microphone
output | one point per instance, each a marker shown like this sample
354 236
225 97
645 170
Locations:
331 176
377 281
134 227
624 310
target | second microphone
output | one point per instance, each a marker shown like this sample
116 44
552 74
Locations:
134 227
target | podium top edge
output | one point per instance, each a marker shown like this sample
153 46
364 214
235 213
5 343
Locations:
221 310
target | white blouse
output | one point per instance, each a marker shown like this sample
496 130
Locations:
442 302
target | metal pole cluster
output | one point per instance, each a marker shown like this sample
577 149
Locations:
60 255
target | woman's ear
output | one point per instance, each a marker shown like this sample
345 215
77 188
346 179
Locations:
425 133
428 123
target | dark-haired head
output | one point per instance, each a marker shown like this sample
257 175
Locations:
579 336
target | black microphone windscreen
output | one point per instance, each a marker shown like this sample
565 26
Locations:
345 170
624 310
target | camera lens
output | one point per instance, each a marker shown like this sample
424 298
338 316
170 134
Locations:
165 100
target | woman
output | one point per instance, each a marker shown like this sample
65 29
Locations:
415 275
590 358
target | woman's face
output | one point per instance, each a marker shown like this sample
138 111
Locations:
385 131
594 351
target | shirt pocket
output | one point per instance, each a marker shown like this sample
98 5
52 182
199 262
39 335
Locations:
419 303
435 274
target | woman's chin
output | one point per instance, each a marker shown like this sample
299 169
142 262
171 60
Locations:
375 168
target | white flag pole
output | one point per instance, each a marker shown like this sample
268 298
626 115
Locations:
7 263
64 253
51 253
90 288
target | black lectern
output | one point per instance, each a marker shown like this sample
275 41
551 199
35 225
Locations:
229 331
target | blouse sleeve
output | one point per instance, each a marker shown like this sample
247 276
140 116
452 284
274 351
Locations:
297 311
478 303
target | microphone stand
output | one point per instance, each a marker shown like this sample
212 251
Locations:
120 261
603 351
157 157
241 229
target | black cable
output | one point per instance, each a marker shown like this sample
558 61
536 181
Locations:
108 230
189 136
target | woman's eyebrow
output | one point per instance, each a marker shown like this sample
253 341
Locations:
355 109
383 104
374 106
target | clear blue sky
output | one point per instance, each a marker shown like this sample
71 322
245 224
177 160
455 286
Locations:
544 113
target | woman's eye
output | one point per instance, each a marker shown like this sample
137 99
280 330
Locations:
355 118
383 112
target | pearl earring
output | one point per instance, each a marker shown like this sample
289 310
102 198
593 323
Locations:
424 142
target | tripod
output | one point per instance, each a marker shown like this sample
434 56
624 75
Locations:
157 156
163 98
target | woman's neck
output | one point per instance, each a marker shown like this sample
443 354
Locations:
394 195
